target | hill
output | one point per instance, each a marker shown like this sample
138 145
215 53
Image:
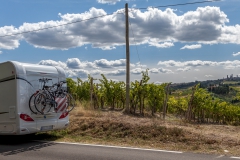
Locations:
224 89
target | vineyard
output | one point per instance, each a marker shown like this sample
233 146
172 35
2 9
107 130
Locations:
198 105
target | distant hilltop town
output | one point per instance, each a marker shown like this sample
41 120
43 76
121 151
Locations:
232 78
205 84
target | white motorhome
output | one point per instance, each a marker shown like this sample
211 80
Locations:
18 81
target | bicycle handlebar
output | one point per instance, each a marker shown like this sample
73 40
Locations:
59 83
64 81
44 79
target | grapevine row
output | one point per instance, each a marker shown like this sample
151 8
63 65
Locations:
199 106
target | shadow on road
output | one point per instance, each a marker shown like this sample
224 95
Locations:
10 145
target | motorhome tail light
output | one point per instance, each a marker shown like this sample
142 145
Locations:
26 117
63 115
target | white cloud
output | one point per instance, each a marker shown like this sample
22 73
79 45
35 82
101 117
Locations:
134 6
118 72
138 64
193 22
230 67
208 76
75 63
153 70
171 63
159 28
0 52
53 63
195 46
161 45
236 54
137 71
230 64
70 36
81 73
189 69
229 34
198 63
96 72
184 69
194 63
9 42
70 73
162 70
74 67
108 1
103 63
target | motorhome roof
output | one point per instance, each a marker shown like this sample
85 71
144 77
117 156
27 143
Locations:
34 69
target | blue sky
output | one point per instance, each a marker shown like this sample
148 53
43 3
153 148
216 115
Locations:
177 44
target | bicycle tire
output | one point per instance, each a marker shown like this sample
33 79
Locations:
51 97
31 103
70 102
40 103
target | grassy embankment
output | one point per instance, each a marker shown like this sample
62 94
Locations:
116 128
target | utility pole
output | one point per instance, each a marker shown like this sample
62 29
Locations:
127 110
91 90
165 100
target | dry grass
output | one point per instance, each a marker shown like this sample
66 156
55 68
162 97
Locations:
116 128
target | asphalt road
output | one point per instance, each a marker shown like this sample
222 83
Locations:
12 148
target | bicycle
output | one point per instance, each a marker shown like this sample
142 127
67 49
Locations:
60 92
45 98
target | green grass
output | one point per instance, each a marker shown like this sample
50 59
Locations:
231 82
237 88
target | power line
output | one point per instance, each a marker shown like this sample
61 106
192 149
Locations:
171 5
36 30
180 4
160 7
135 44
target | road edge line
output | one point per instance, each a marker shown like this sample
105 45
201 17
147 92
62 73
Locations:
235 157
108 146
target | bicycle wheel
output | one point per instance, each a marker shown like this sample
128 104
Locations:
31 103
70 102
59 93
41 104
